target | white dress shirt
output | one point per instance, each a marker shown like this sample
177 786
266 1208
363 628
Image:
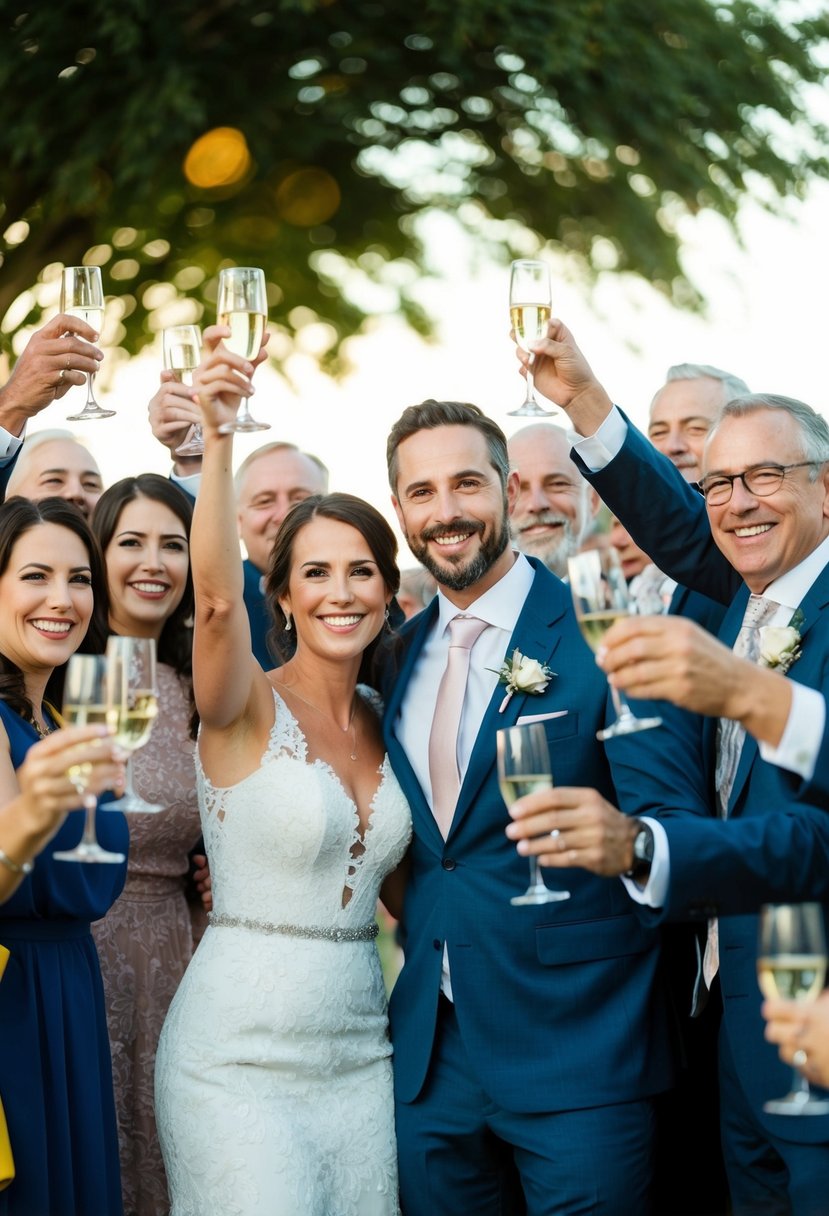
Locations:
9 445
500 607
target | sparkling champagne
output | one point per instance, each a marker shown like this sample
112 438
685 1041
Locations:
246 330
594 625
92 316
135 722
513 788
182 360
792 977
529 322
86 715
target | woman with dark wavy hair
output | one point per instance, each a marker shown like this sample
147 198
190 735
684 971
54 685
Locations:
55 1071
145 942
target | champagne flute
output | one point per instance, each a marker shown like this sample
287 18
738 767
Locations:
530 305
82 295
791 964
132 701
243 306
524 768
600 596
84 704
182 351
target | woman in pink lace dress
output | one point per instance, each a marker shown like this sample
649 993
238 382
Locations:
145 941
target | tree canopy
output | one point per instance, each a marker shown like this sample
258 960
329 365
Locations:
307 136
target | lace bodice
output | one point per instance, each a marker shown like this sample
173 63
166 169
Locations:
284 843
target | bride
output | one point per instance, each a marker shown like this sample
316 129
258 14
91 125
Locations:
273 1079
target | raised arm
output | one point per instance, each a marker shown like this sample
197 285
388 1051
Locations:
226 677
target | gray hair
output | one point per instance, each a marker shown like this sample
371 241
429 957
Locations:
277 445
30 445
732 385
814 429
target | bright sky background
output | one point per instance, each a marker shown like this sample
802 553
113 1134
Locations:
766 321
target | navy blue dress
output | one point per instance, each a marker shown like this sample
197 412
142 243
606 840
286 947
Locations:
55 1067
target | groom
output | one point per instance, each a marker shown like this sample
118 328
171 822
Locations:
529 1042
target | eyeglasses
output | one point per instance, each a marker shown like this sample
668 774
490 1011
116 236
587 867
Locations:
761 480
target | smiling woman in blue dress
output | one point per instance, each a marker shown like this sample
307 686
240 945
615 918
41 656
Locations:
55 1072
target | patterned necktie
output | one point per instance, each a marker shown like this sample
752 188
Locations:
730 739
444 773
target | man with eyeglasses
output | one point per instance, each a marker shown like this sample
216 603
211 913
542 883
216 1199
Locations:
728 825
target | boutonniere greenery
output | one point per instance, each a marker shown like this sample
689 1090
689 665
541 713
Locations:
780 646
522 674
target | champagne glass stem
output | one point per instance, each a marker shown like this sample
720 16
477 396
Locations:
531 382
129 788
90 804
91 403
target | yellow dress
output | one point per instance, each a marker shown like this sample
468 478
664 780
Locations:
6 1159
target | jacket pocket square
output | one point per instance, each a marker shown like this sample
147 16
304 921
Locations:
527 718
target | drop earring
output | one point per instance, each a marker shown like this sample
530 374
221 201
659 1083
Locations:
288 621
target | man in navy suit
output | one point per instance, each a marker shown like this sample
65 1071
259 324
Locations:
766 487
529 1041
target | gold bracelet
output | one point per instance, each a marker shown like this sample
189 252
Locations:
25 867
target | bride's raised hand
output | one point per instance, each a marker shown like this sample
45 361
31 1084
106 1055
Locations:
222 378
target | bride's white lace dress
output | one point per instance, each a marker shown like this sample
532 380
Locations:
273 1076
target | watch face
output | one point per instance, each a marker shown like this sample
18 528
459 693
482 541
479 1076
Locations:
643 844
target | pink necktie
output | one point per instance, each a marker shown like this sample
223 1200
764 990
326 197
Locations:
445 776
730 738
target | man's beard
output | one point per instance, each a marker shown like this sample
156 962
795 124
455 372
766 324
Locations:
553 551
459 576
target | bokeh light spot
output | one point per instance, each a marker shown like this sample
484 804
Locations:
218 158
307 197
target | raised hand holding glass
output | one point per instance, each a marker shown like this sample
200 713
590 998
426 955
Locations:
85 704
182 351
530 305
243 307
82 295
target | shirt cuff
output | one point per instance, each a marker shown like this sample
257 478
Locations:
190 484
598 450
798 749
652 895
10 444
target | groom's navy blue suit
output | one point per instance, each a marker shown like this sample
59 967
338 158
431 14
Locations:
774 846
559 1007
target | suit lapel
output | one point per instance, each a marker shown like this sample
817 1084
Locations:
534 635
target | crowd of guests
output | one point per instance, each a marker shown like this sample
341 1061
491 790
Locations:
607 1054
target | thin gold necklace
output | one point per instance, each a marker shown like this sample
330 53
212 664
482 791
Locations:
345 729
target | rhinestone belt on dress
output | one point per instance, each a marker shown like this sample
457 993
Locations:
363 933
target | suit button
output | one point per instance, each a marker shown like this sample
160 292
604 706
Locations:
448 863
437 943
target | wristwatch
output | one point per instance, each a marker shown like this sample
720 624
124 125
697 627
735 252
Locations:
642 854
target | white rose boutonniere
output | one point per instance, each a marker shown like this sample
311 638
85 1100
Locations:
780 645
522 674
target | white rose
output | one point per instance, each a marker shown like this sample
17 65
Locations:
777 643
529 674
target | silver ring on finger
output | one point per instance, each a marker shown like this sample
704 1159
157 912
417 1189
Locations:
555 833
62 375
